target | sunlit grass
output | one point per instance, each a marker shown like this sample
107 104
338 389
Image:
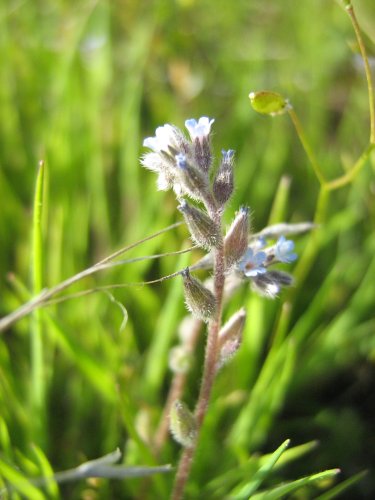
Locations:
81 84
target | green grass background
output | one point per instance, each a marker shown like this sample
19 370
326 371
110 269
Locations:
81 84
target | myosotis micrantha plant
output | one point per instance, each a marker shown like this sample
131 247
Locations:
234 256
187 166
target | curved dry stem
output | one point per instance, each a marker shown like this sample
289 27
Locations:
370 86
47 294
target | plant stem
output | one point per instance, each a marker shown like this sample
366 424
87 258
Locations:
176 390
306 145
354 170
370 86
209 369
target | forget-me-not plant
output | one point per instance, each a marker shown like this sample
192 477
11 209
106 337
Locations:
186 165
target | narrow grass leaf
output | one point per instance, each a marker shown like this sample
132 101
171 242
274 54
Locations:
19 483
248 489
280 202
290 487
37 392
266 397
291 454
47 471
342 487
253 464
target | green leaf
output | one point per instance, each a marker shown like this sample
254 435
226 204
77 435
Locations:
47 471
258 478
337 490
287 488
266 398
19 483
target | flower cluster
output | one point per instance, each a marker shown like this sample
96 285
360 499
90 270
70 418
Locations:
184 164
180 163
258 257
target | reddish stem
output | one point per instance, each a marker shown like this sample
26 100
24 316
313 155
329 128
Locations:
209 370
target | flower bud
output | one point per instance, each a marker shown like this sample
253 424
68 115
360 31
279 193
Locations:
182 424
236 239
269 103
227 352
199 300
180 359
202 153
233 328
223 182
199 132
230 338
186 329
202 228
283 228
193 180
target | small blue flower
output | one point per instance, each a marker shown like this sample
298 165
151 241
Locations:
227 155
164 137
284 250
252 262
259 243
199 129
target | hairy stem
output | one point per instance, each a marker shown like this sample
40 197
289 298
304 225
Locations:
209 369
176 390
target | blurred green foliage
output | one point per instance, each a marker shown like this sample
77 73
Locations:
81 84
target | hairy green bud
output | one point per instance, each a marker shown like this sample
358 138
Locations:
199 300
180 359
182 424
202 228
